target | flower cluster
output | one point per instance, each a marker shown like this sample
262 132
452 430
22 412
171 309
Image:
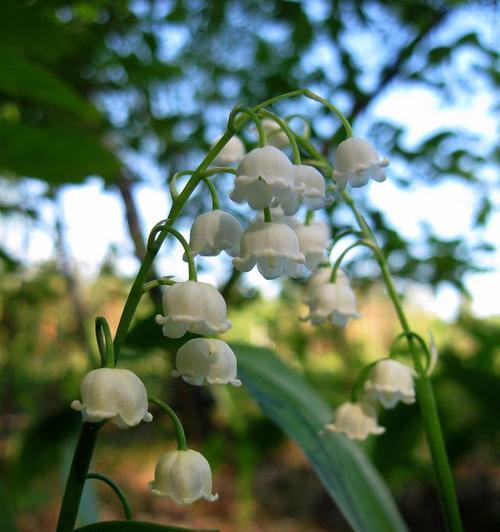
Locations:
277 243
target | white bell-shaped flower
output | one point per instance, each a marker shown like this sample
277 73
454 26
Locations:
232 152
206 361
117 395
213 232
273 247
275 135
194 307
331 301
356 420
310 187
183 475
265 175
390 382
314 240
356 161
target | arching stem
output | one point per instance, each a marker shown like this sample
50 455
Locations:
179 429
118 491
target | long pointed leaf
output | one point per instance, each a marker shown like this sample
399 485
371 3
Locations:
344 470
136 526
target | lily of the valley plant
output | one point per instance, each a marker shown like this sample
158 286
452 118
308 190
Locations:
287 236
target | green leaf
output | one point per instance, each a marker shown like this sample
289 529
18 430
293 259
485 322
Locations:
21 79
57 155
346 473
136 526
7 523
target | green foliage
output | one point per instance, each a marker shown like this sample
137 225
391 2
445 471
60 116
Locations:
55 154
22 79
348 477
136 526
7 523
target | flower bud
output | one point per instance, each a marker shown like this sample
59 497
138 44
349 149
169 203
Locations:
356 420
195 307
390 382
183 475
356 161
264 175
232 152
275 135
310 187
314 240
273 247
206 360
117 395
213 232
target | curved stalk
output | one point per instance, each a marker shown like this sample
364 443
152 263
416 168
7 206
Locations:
118 491
104 342
179 429
287 131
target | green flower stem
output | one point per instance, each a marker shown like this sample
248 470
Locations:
179 429
255 117
357 388
104 342
356 244
164 281
419 339
162 228
267 214
220 170
77 475
288 132
213 193
307 125
172 183
118 491
309 217
425 393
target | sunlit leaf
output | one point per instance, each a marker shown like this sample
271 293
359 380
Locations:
344 470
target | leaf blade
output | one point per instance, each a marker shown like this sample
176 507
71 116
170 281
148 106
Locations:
346 473
136 526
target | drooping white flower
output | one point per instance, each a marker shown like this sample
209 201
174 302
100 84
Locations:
390 382
314 240
310 187
206 360
265 175
232 152
213 232
356 420
275 135
320 277
195 307
331 301
117 395
273 247
183 475
356 161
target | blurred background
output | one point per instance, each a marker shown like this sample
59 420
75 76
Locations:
101 101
